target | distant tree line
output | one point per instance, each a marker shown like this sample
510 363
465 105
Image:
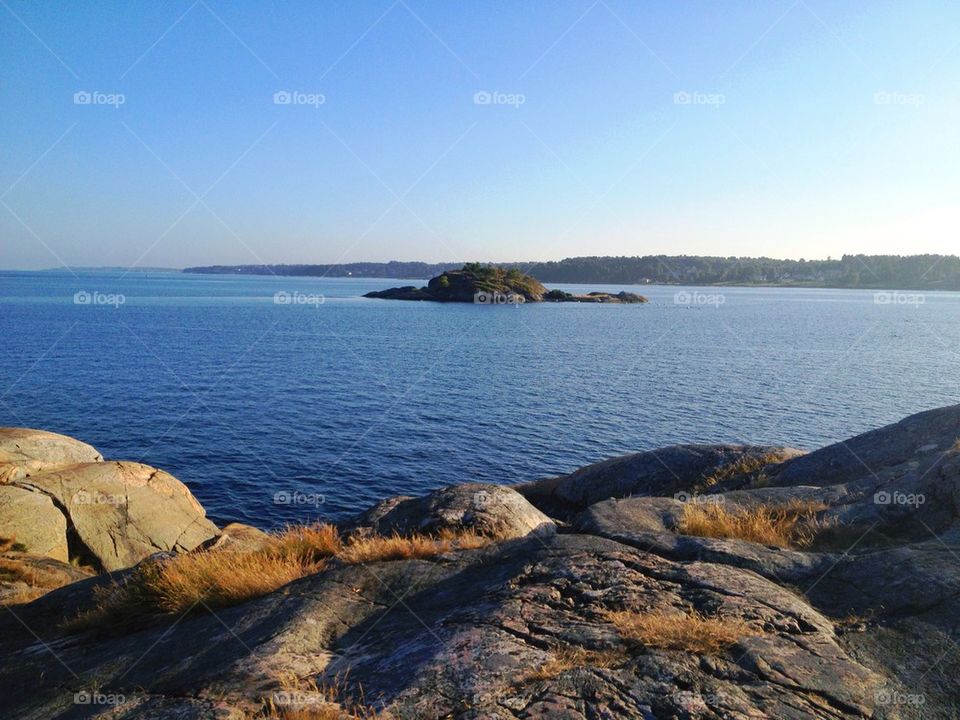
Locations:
932 272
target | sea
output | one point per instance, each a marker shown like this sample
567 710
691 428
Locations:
280 400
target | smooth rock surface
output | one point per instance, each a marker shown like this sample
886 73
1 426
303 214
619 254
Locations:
24 451
33 522
494 510
123 512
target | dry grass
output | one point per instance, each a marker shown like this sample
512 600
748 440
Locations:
307 700
38 580
217 578
674 630
792 524
571 657
377 548
750 465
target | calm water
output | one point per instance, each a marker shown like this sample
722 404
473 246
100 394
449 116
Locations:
337 405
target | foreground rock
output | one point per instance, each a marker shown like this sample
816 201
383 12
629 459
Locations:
24 451
60 500
123 512
488 285
864 623
492 510
666 471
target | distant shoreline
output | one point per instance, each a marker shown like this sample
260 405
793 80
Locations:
851 272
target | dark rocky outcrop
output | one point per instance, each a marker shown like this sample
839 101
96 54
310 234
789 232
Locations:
863 624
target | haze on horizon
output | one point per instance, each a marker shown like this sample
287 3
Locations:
204 132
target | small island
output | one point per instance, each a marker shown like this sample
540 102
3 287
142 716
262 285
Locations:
491 285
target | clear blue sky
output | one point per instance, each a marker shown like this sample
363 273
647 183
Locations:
814 128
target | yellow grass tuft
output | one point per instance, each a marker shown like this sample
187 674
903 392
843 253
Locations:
218 578
792 524
745 465
568 658
308 700
675 630
377 548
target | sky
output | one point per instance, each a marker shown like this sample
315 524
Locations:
212 132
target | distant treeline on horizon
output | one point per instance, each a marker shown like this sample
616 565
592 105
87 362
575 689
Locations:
932 272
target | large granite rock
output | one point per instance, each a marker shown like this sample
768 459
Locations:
465 642
493 510
24 577
33 522
121 512
666 471
24 452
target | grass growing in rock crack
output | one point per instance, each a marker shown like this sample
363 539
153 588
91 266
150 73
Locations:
220 578
571 657
750 466
307 700
675 630
793 524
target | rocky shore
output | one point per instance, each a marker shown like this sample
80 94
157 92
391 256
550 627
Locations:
693 581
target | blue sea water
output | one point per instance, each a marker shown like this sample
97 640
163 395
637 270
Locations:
276 413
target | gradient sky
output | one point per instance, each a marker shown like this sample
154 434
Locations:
816 128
